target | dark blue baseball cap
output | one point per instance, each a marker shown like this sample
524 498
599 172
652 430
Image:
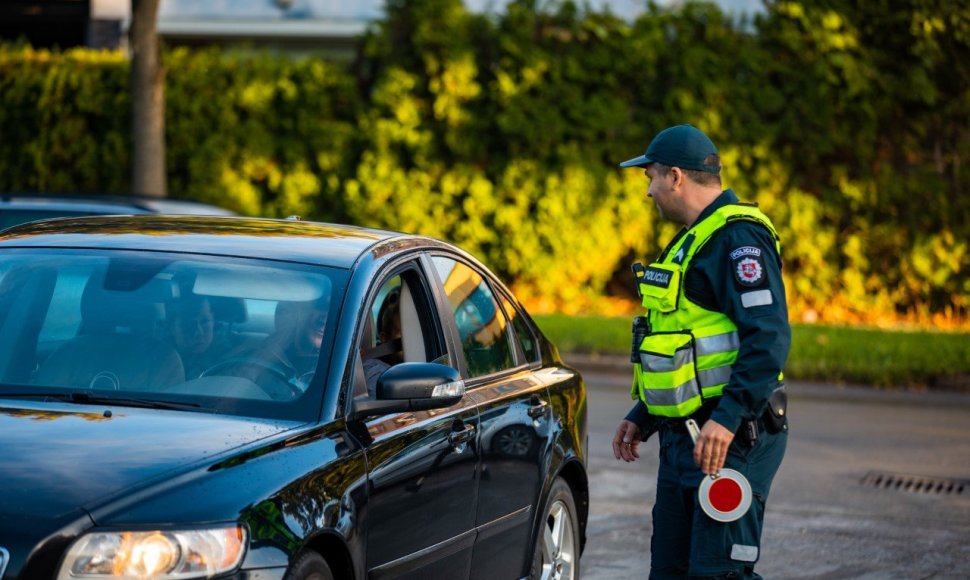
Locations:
683 146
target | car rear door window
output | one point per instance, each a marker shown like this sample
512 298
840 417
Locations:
482 326
523 334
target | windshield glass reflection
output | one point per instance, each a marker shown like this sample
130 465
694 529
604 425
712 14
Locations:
232 336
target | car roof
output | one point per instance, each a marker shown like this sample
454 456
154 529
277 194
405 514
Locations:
290 240
107 204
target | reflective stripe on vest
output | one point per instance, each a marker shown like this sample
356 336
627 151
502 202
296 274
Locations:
689 356
714 377
678 395
665 364
727 342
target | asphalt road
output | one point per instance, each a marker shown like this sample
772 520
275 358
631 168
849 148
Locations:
821 522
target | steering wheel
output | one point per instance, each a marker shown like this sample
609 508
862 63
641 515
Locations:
279 376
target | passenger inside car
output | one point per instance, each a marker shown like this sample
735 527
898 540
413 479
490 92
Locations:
399 337
387 352
191 325
389 347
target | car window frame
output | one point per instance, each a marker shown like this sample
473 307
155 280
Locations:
446 313
520 311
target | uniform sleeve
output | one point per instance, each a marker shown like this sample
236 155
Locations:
745 266
647 423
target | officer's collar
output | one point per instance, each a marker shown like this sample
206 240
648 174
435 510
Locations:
727 197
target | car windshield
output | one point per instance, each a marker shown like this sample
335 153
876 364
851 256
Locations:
211 334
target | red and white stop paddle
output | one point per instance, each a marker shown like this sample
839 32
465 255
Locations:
724 496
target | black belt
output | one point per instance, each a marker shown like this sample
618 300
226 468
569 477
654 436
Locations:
701 416
680 425
746 431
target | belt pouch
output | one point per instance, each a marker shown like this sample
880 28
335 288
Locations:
775 417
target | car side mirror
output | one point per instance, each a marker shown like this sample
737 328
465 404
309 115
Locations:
413 387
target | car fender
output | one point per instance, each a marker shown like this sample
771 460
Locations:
283 513
570 466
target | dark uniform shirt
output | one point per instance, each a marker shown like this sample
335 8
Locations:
716 280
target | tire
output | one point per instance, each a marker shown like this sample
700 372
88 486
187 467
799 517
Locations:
556 549
309 566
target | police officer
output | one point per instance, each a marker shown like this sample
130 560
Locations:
711 347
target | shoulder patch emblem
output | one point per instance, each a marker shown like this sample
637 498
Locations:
748 264
749 271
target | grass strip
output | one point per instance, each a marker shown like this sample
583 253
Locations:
881 358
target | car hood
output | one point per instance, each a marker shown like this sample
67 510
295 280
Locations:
57 459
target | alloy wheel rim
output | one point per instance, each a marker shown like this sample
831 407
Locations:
558 544
515 442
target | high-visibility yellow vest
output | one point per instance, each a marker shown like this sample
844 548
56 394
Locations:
687 356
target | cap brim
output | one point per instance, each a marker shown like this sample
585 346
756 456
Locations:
641 161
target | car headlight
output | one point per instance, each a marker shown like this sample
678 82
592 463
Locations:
160 554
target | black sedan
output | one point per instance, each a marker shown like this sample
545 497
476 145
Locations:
203 397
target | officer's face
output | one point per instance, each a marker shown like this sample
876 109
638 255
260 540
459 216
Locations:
662 191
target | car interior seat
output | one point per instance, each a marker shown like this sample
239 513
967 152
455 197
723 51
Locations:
116 347
412 335
228 313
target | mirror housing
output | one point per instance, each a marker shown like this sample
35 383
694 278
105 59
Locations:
412 387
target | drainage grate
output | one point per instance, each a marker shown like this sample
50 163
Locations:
916 483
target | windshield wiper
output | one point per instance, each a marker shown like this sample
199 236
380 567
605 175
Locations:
89 398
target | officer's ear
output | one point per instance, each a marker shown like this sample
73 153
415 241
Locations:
677 177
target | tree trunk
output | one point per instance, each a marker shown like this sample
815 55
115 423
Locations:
147 102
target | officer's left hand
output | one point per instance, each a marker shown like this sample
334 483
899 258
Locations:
712 447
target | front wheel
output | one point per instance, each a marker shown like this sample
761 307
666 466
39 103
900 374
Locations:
556 551
310 566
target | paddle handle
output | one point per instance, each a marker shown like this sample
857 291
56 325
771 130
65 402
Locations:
693 429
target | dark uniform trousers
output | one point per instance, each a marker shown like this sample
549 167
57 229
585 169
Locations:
687 543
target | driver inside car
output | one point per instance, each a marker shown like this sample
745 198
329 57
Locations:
293 349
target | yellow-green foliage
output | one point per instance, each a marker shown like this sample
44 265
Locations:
256 134
846 121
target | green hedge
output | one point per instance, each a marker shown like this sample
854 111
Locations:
846 121
863 356
254 133
65 121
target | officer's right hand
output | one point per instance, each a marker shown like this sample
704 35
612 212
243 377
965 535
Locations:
626 442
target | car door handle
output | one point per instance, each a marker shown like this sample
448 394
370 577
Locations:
462 436
537 407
